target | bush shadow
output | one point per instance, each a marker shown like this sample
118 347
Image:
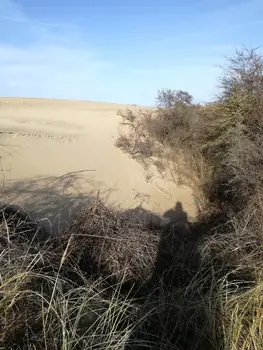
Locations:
53 202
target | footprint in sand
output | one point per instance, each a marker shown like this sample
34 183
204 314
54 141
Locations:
62 138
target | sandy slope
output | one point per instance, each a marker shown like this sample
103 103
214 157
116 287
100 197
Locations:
57 154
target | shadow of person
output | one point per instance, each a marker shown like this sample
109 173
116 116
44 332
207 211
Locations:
176 215
177 220
168 315
174 248
172 270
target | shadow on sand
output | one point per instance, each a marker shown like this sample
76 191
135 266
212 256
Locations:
53 201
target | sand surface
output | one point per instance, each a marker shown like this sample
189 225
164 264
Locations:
56 155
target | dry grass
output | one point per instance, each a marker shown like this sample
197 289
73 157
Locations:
50 300
111 282
43 306
113 244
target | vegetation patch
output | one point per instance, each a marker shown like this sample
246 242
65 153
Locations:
113 280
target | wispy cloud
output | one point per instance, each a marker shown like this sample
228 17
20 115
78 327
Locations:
23 20
48 64
48 71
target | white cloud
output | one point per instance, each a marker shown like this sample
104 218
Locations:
48 55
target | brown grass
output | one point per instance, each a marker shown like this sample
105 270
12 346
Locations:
112 243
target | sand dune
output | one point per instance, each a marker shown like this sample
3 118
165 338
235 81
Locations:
57 154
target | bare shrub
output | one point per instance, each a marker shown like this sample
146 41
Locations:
217 147
237 157
111 244
168 98
243 78
168 137
134 139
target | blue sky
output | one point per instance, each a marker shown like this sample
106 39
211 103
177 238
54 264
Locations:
121 51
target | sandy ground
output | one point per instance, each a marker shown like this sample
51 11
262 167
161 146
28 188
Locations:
56 155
